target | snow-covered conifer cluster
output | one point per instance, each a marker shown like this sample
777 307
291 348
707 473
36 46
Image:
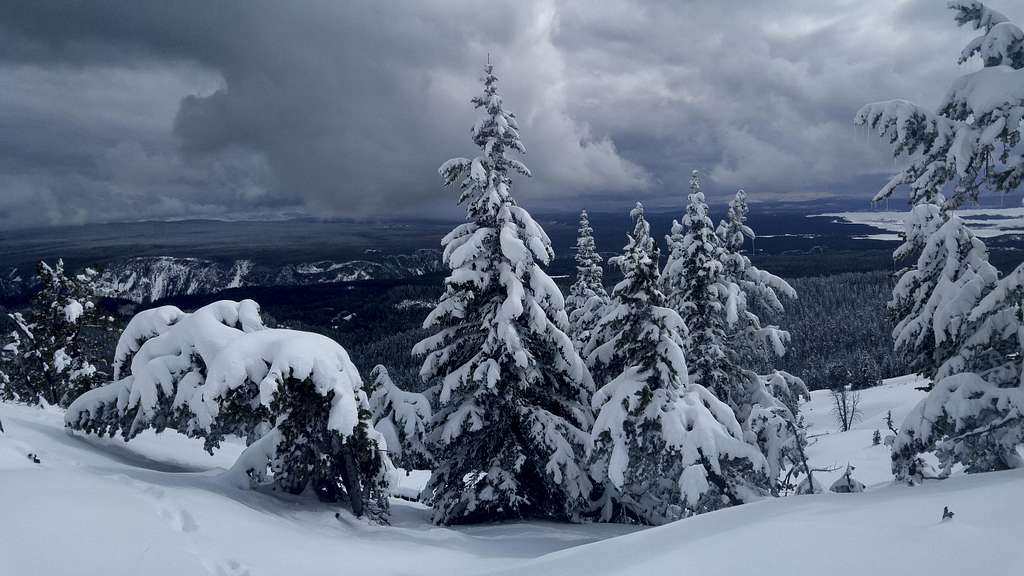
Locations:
664 447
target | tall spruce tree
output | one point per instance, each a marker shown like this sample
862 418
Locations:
49 360
508 432
749 340
695 284
934 297
664 447
955 320
589 275
587 296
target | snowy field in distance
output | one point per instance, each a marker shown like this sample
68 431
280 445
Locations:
985 222
158 506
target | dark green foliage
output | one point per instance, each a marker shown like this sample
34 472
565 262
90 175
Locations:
838 375
842 319
241 414
310 455
47 362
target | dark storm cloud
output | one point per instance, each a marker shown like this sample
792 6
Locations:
126 109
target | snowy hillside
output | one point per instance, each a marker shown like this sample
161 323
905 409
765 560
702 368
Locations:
159 506
151 278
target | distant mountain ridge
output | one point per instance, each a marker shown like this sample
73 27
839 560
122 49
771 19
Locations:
147 279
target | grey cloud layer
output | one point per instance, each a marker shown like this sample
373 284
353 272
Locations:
127 110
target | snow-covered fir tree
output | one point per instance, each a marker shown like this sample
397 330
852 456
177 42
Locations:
663 447
748 341
956 321
695 284
933 297
733 230
971 141
322 436
48 357
587 296
402 418
295 396
974 413
509 428
589 274
713 285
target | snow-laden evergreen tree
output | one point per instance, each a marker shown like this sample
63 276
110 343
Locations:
748 339
664 447
51 364
695 284
733 229
160 364
509 429
933 298
589 274
402 418
955 319
587 296
307 388
972 139
974 413
294 396
713 286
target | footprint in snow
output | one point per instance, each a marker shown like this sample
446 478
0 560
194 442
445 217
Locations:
180 519
228 567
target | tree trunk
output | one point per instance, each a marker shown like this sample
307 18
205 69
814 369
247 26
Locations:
350 477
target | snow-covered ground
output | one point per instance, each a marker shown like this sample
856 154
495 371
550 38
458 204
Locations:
984 222
158 506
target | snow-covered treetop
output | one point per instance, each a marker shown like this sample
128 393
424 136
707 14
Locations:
588 261
733 230
639 263
589 274
502 246
484 179
971 140
637 330
694 249
696 212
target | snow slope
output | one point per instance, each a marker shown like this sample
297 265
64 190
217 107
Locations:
159 505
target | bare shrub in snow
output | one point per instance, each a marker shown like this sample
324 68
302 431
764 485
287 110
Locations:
846 407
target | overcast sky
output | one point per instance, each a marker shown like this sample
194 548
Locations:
127 110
